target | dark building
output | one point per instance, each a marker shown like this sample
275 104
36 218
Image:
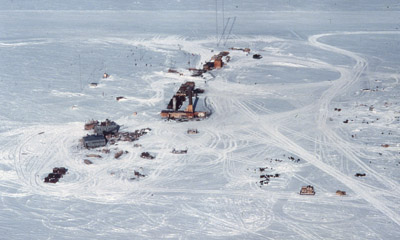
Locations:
208 66
94 141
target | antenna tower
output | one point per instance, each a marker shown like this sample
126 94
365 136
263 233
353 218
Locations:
229 24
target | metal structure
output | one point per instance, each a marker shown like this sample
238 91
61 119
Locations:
106 127
216 61
229 24
186 90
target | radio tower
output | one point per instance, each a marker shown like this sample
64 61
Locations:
216 19
225 26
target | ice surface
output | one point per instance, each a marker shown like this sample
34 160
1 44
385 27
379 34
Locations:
280 112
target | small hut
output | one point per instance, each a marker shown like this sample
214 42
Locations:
146 155
307 190
340 193
257 56
118 154
192 131
120 98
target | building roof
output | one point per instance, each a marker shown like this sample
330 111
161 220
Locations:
90 138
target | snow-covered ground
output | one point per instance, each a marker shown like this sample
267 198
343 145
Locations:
320 106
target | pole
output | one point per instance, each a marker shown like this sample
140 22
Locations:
223 32
80 71
216 19
223 14
230 30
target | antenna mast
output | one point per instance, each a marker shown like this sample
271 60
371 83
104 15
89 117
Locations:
230 30
225 26
216 19
223 14
80 71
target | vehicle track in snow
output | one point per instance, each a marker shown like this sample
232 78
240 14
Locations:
348 77
225 150
228 218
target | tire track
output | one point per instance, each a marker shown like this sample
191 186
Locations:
347 79
282 140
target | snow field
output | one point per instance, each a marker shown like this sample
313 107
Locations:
273 108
